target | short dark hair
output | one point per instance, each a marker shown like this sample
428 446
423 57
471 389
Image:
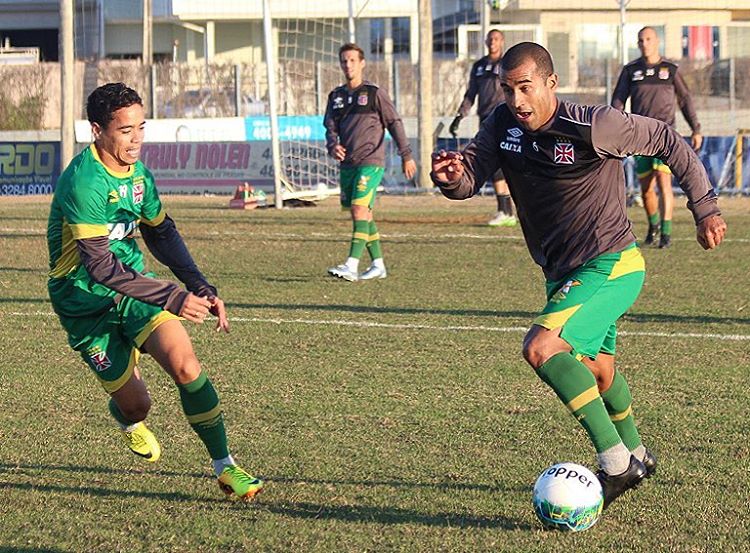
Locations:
350 46
107 99
498 31
525 51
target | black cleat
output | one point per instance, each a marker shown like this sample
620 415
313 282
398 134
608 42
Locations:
653 231
665 241
649 461
614 486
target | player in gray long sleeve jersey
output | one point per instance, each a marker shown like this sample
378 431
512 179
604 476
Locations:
356 117
484 85
655 86
562 163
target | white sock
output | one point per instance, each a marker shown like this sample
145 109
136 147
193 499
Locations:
614 460
352 263
128 427
378 263
639 452
221 464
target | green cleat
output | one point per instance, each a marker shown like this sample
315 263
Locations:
143 443
238 484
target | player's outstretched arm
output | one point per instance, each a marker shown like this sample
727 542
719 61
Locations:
167 246
710 232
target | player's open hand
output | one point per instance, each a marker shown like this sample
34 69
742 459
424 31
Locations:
711 232
219 311
339 152
409 167
447 166
195 309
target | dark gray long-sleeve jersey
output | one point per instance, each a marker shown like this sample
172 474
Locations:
567 181
357 119
484 81
655 91
166 245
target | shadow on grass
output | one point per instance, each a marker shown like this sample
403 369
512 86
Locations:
390 515
306 510
394 310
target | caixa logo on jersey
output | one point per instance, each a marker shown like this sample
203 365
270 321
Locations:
512 142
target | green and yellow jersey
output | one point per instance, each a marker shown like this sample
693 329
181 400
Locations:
93 201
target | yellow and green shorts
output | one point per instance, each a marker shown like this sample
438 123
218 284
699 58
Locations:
359 184
587 303
645 165
109 342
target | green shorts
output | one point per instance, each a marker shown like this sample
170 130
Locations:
588 301
109 342
645 165
359 184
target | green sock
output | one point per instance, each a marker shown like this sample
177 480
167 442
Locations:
618 401
666 226
203 411
360 236
653 220
373 244
575 385
117 414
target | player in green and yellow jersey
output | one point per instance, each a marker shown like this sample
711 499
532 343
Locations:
110 308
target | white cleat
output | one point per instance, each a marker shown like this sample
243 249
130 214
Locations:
343 271
503 220
373 272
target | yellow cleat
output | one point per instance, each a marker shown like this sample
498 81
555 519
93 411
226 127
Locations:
238 484
143 443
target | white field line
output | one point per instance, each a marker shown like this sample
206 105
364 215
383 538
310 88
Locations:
343 235
448 328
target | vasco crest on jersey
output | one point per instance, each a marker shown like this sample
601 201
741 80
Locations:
564 153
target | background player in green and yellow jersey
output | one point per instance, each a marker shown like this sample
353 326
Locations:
110 308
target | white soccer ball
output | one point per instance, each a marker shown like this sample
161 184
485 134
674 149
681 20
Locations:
568 497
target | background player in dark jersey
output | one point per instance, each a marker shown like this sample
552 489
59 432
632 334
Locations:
655 86
110 308
356 117
484 82
563 166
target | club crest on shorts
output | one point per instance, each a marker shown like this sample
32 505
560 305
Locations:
563 292
99 359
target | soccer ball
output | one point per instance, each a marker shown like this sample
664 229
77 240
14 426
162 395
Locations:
568 497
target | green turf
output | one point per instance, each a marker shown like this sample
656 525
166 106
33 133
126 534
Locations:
423 431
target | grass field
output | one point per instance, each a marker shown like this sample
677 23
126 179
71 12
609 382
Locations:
395 415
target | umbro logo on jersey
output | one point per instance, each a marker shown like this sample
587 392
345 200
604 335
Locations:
515 132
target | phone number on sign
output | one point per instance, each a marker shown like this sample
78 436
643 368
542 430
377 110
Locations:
24 189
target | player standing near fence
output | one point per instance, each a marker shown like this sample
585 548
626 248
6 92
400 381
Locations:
484 83
654 86
112 310
563 165
357 115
